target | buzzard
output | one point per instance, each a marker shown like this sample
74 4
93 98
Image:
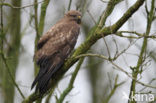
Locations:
54 47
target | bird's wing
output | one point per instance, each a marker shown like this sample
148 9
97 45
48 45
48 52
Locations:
53 53
43 40
48 35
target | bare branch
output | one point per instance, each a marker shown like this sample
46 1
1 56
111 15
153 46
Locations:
116 85
91 16
70 86
108 51
121 69
123 51
108 11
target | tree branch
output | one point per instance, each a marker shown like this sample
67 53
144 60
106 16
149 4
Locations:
70 1
138 35
42 16
108 11
116 85
121 69
70 86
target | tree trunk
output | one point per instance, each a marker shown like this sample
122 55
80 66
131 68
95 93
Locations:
11 52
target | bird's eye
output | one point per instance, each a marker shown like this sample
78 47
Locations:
73 16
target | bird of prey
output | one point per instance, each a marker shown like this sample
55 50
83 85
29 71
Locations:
54 47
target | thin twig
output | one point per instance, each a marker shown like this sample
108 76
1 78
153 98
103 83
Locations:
123 51
110 81
106 58
116 85
70 86
154 79
91 16
139 35
108 51
132 32
104 1
146 8
48 97
107 12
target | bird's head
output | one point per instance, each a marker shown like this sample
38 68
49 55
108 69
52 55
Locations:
74 15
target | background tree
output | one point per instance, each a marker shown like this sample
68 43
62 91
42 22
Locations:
10 44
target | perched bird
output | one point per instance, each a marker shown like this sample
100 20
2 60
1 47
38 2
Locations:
54 47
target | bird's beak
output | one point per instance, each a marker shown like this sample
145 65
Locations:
79 17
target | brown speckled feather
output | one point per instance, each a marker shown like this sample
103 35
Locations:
54 47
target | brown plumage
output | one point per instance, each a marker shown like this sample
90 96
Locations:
54 47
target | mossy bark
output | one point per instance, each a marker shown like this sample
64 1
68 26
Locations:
12 53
